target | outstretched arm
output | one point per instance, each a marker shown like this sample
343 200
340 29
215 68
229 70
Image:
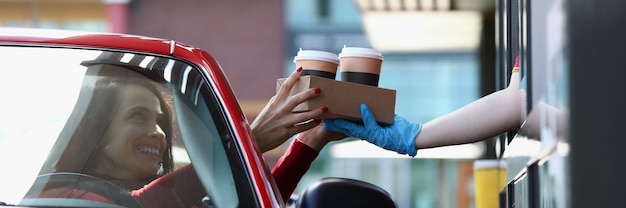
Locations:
484 118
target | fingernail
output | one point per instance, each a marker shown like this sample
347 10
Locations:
299 69
324 109
317 90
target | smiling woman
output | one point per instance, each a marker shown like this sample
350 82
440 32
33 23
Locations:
132 129
117 144
120 131
127 126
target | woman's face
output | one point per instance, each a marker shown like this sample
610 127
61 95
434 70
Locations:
133 143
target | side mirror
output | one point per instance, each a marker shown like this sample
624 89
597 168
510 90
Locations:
343 192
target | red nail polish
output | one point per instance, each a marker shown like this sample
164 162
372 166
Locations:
324 109
317 90
299 69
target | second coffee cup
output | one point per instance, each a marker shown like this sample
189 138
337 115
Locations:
360 65
317 63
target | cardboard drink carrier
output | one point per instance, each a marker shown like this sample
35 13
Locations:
343 98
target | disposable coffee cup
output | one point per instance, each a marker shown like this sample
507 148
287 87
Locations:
317 63
360 65
489 180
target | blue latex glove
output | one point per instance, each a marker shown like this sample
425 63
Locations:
398 137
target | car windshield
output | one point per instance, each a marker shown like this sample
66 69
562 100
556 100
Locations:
79 125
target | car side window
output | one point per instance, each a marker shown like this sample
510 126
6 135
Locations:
150 126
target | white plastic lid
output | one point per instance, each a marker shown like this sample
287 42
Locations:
360 52
316 55
485 164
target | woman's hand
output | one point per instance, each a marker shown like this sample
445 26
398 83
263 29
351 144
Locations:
277 122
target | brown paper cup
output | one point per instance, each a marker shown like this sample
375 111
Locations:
317 63
360 65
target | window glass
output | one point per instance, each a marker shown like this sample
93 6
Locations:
88 128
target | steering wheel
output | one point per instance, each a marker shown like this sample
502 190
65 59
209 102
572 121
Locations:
76 181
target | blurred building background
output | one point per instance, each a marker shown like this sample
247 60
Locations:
448 65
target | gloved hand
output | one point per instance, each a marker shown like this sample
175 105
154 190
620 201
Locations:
398 137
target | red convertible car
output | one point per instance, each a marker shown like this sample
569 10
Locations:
67 96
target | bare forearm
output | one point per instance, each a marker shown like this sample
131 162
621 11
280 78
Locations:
482 119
